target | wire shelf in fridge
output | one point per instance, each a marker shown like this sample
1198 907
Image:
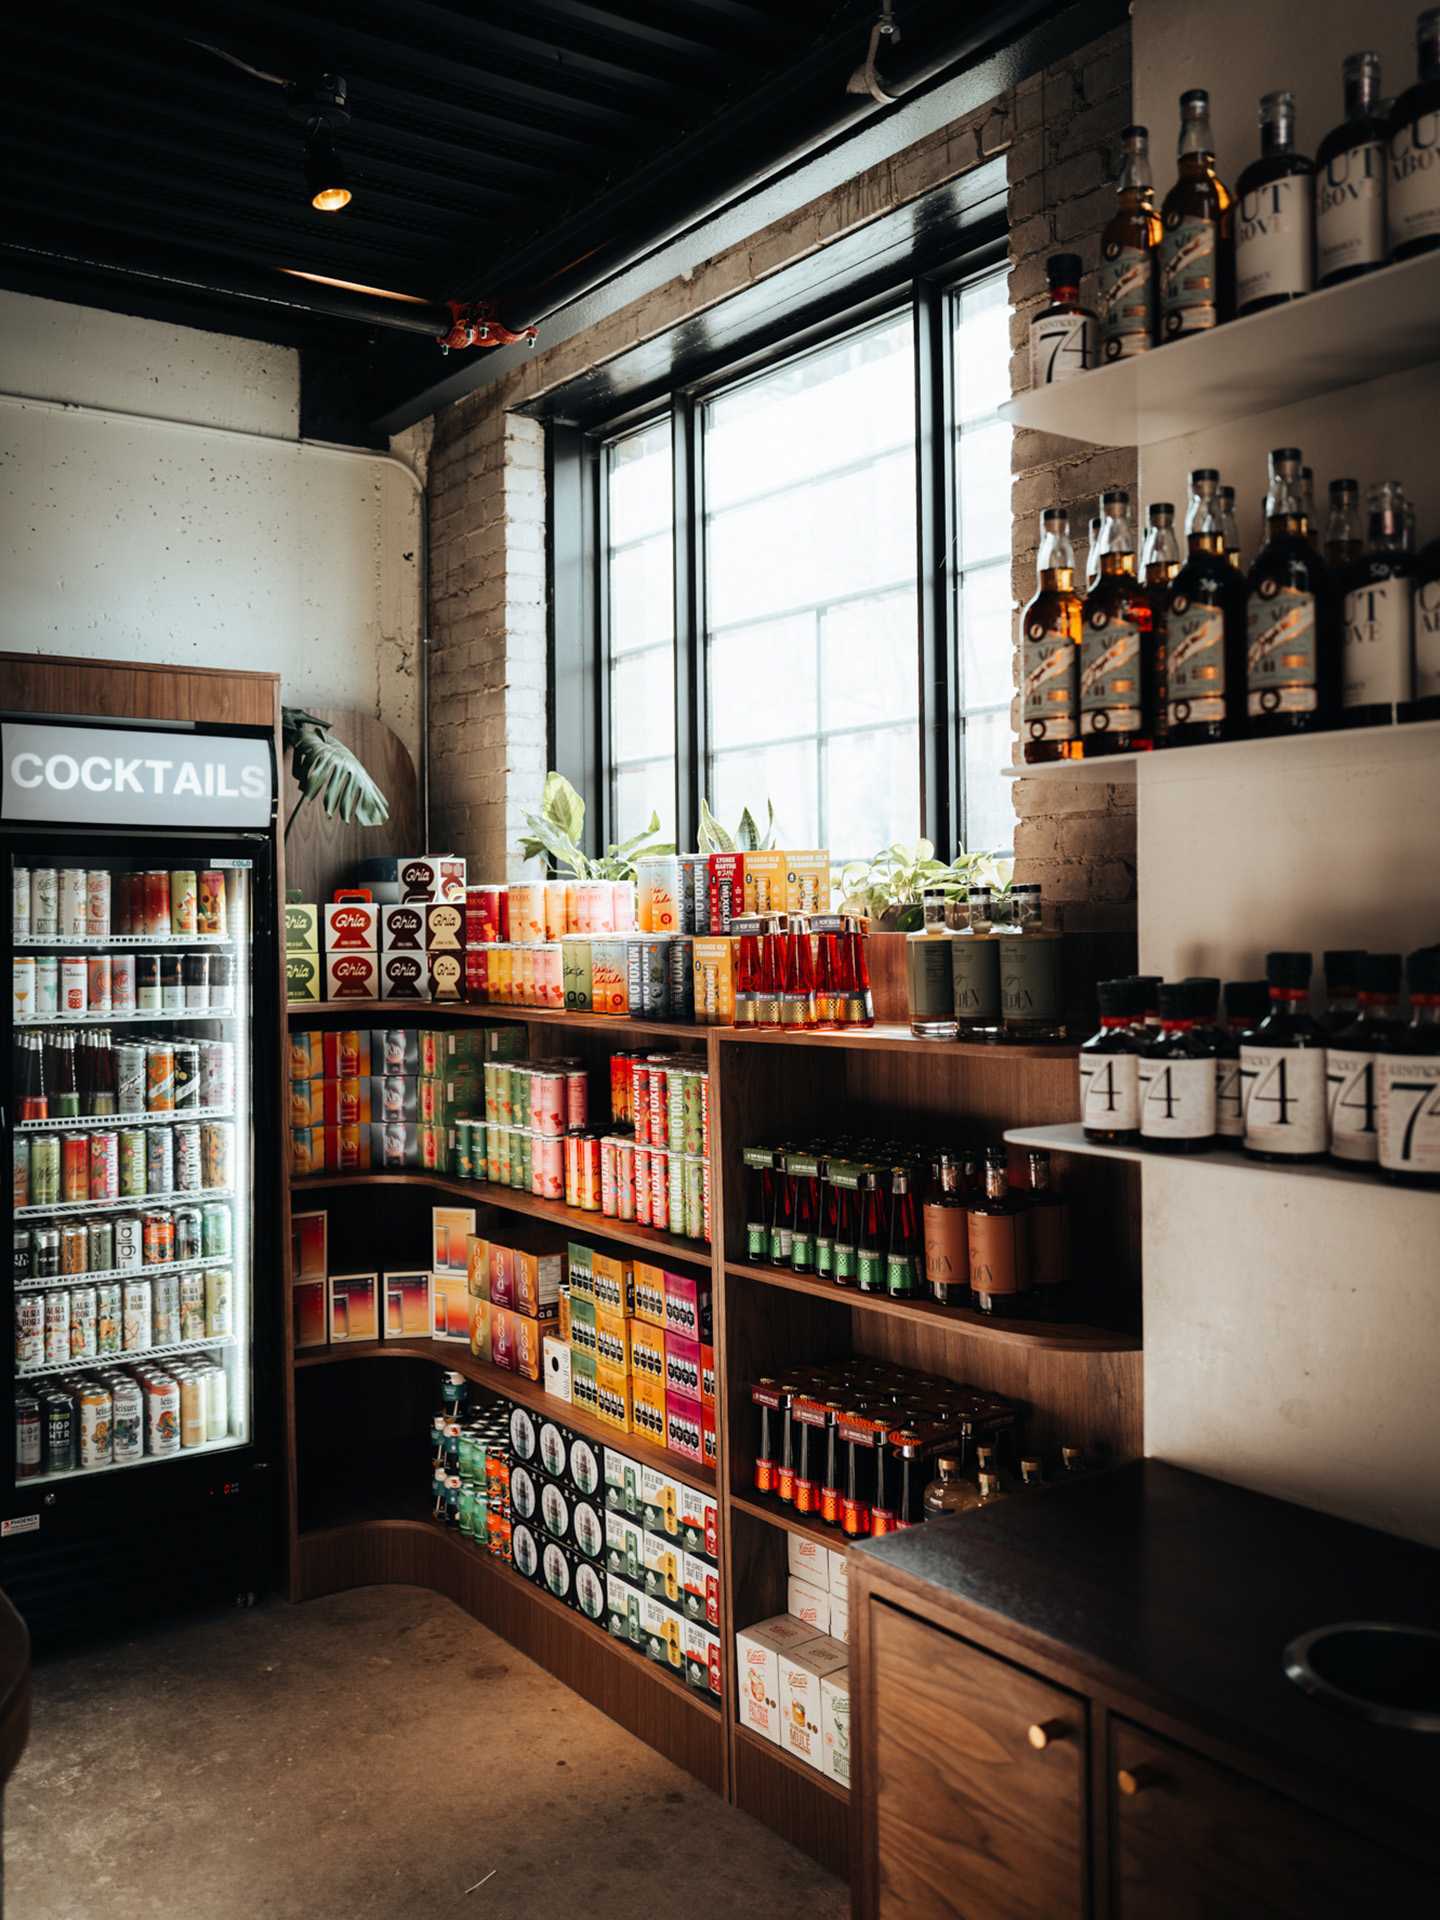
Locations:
122 942
131 1202
76 1021
228 1444
132 1356
103 1276
89 1122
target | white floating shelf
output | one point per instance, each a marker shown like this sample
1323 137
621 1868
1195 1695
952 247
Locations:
1340 337
1070 1138
1337 743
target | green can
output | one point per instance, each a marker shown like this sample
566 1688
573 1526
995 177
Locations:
478 1132
677 1193
132 1163
467 1507
494 1134
675 1108
693 1089
45 1169
522 1163
522 1097
507 1149
693 1174
215 1230
464 1164
492 1091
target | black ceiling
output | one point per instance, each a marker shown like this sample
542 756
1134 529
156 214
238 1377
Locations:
505 151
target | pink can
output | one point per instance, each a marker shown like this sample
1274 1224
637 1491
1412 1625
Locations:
640 1101
705 1196
657 1103
97 903
625 1158
547 1160
589 1149
572 1169
577 1097
608 1203
622 898
547 1102
659 1187
98 982
122 983
641 1165
595 907
550 977
105 1166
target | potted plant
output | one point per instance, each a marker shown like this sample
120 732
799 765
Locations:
888 891
553 836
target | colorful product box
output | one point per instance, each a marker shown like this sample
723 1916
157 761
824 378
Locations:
647 1408
307 1057
801 1672
354 1308
577 1263
727 889
712 964
352 927
536 1283
765 882
610 1282
839 1617
583 1326
404 976
664 1634
445 976
302 927
309 1245
648 1285
624 1547
584 1386
624 1611
613 1400
758 1650
347 1053
660 1502
663 1566
444 927
808 1560
807 1603
835 1726
407 1313
480 1343
612 1340
709 1437
587 1529
807 881
556 1379
702 1660
684 1433
699 1522
647 1353
432 876
449 1308
477 1266
624 1484
584 1465
682 1369
707 1374
517 1340
687 1305
396 1143
557 1509
308 1310
402 929
451 1231
303 977
330 1103
330 1149
700 1583
352 976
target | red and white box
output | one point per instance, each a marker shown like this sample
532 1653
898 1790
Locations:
758 1651
432 876
352 975
477 974
684 1426
682 1368
402 928
352 926
404 976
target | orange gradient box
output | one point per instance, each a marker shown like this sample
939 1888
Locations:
407 1306
449 1307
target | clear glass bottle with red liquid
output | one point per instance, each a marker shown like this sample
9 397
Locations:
832 955
797 983
1407 1082
769 1014
860 1008
804 1171
748 938
872 1236
904 1257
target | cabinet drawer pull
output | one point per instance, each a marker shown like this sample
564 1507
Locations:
1045 1732
1133 1780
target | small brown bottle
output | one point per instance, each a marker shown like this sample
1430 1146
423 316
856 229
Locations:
947 1241
950 1491
1117 659
1129 247
999 1244
1050 649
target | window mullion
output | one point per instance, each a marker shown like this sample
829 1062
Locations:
941 810
689 619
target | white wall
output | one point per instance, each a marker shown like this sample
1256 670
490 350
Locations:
1292 1336
139 541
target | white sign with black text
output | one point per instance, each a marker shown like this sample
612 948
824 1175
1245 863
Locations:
120 776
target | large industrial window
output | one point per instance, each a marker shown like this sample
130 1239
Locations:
639 577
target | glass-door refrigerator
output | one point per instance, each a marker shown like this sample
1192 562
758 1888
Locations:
139 1105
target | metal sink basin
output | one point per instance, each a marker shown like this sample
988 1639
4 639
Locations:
1389 1675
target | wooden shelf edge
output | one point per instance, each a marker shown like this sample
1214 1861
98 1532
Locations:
898 1039
663 1246
402 1012
519 1390
772 1511
811 1775
1068 1137
1053 1336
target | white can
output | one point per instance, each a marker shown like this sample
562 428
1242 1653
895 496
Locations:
44 903
97 1442
165 1318
20 904
217 1303
83 1324
29 1331
73 896
109 1314
127 1399
74 987
22 1003
192 1306
97 904
162 1414
129 1242
217 1074
122 982
47 983
139 1315
57 1328
217 1404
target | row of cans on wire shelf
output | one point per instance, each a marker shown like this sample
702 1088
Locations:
89 986
115 1416
123 1242
609 1174
131 1316
70 1076
123 1163
96 903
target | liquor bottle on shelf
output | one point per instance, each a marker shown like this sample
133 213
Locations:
1092 554
1117 663
990 1489
1342 985
768 1001
782 1219
1197 259
1150 985
1412 201
999 1277
748 937
951 1491
1177 1078
1032 1474
1282 1068
1344 534
1160 559
1205 629
947 1246
1275 215
1379 644
1062 336
803 1170
1050 649
1350 168
1047 1219
1128 252
859 999
1350 1060
1229 1105
904 1256
759 1165
1407 1082
1109 1066
797 977
1231 525
1294 651
1425 608
930 984
871 1235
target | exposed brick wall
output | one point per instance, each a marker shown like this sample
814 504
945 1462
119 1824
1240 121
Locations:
1075 837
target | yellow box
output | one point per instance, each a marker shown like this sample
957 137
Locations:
647 1408
647 1352
449 1307
477 1266
648 1285
613 1394
713 965
610 1282
302 976
765 882
807 881
612 1340
565 1314
479 1327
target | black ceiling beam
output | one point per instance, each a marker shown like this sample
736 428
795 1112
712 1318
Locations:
645 26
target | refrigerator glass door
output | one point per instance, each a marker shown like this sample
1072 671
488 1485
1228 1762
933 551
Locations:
131 1125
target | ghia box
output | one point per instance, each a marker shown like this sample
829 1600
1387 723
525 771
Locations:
302 976
432 876
404 976
352 927
352 975
302 927
402 928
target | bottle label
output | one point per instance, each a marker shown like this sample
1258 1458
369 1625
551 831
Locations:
1351 1080
1378 644
1110 676
947 1256
1426 608
802 1251
1110 1091
757 1240
1196 642
869 1272
1126 293
1062 346
1274 240
1414 196
1187 277
1177 1099
1280 626
844 1260
781 1243
901 1279
1285 1099
1407 1096
994 1267
1229 1099
1048 699
1350 210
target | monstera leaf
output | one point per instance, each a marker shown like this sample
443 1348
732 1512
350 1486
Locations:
326 770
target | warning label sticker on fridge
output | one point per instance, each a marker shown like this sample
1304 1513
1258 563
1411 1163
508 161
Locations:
27 1523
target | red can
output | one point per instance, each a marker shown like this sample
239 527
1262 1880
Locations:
157 1238
482 915
642 1185
659 1187
548 1166
589 1153
477 975
620 1111
125 903
608 1199
640 1101
572 1169
577 1097
705 1122
157 905
104 1166
75 1166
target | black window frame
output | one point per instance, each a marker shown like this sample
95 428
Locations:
577 532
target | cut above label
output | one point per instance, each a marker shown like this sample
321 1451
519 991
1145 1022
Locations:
1378 644
1414 194
1350 211
1274 235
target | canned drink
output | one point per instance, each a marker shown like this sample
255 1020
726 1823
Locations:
165 1309
677 1194
157 1237
155 897
72 903
57 1328
187 1167
589 1172
74 1247
217 1410
694 1189
109 1315
215 1231
674 1135
492 1092
659 1188
624 1179
27 1436
655 1000
505 1150
657 1101
147 982
694 1106
160 1077
44 903
20 1252
22 1164
74 987
184 903
210 912
45 1253
493 1135
29 1331
22 1002
572 1169
195 980
681 977
44 1170
61 1422
74 1166
464 1155
131 1068
192 1407
192 1306
97 1438
550 977
187 1234
217 1073
642 1185
547 1098
97 903
595 907
162 1414
522 1164
129 1242
222 982
549 1159
622 1088
577 1097
84 1314
137 1316
526 902
219 1322
105 1165
100 1245
217 1152
160 1160
607 1177
172 990
127 1400
20 903
47 983
187 1072
122 983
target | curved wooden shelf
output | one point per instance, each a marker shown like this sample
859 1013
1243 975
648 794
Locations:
1055 1336
375 1013
897 1039
660 1246
523 1392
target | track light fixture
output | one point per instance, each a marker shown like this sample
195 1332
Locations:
322 107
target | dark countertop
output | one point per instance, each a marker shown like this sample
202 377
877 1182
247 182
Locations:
1182 1592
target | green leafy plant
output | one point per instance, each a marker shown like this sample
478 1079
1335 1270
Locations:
326 770
554 834
746 838
887 888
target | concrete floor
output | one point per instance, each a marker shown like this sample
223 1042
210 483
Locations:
377 1753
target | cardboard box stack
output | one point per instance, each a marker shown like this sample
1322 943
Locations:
792 1672
557 1511
513 1286
662 1570
638 1351
353 948
304 976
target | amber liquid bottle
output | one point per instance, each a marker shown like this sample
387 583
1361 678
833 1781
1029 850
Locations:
1050 649
1378 650
1205 629
1117 663
1413 199
1293 676
1197 250
1129 249
947 1246
999 1276
1159 563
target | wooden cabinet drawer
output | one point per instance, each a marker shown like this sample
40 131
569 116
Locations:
971 1816
1192 1841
